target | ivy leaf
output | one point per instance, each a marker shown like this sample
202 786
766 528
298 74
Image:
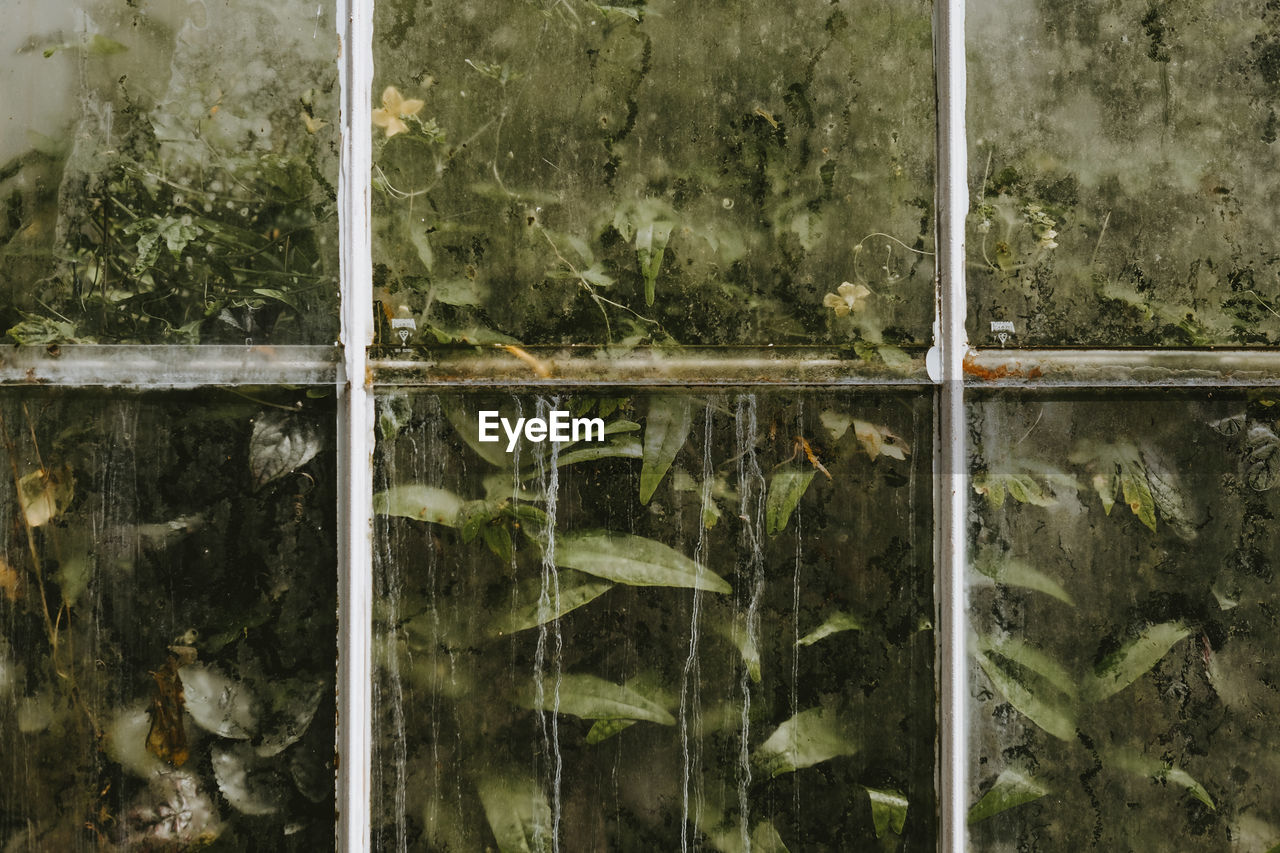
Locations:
834 624
518 813
836 423
592 698
633 560
808 738
1007 572
888 810
45 494
250 785
786 488
217 703
420 503
1135 658
1168 494
1228 426
281 442
531 610
879 441
665 431
1159 771
1011 789
1053 715
1262 461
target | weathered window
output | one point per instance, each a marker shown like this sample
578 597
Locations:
811 573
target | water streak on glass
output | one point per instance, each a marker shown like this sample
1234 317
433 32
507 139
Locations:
710 630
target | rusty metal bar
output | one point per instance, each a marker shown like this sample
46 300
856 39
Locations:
1122 368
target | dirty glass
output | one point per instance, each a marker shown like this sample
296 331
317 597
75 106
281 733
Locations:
167 621
1122 172
710 630
168 172
562 172
1123 610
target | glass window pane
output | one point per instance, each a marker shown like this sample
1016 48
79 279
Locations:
1122 169
1123 613
569 173
168 172
711 629
167 621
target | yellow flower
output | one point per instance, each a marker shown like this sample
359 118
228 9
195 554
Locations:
394 108
849 297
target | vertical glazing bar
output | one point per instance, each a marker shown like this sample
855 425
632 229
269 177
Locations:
355 458
951 474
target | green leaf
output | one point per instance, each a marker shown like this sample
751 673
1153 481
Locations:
1010 790
420 503
1055 717
1135 658
456 291
530 609
602 730
1008 572
498 540
1105 485
665 431
893 356
632 12
1033 659
991 486
786 488
1025 490
734 629
625 447
633 560
836 423
651 245
518 813
888 810
466 423
808 738
1137 494
834 624
1159 771
592 698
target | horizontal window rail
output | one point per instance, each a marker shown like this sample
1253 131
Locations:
161 366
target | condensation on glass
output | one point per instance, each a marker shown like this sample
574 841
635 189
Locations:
570 173
167 621
1122 172
168 172
1123 617
710 630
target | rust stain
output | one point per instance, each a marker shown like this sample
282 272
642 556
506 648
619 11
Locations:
972 368
540 368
